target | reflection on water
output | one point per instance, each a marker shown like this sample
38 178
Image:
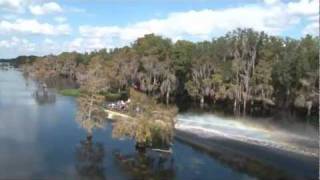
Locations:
147 165
44 141
89 160
44 97
60 83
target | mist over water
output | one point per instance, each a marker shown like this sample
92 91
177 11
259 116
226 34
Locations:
286 135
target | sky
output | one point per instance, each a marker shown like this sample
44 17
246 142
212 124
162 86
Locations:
41 27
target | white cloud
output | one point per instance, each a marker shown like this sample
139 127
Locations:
308 9
60 19
313 18
12 5
274 17
17 45
36 7
46 8
82 44
48 41
271 2
304 7
32 26
196 25
9 16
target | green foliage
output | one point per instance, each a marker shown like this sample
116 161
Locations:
182 54
113 96
153 45
70 92
242 66
150 121
300 101
192 89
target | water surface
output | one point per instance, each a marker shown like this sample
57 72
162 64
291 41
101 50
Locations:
42 140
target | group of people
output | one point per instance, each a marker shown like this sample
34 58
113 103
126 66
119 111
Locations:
119 105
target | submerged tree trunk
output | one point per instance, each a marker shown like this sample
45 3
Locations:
202 101
167 97
309 107
89 136
244 104
141 147
90 107
251 109
235 106
287 102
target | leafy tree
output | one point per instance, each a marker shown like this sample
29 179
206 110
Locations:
90 114
283 71
200 84
244 69
150 121
168 85
182 55
245 48
154 45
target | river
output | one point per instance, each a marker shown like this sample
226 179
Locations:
42 140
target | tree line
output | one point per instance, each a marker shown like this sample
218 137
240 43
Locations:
243 71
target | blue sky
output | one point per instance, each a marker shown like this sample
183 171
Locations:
43 27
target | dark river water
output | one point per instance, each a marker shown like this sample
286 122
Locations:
42 140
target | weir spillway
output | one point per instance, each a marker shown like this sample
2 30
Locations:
254 132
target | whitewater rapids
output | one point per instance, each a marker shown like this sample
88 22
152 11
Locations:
296 138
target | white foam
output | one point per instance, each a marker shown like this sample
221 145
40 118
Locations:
212 126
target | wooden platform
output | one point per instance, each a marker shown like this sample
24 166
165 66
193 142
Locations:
114 114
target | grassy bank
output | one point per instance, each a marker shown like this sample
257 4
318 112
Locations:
115 96
109 96
70 92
